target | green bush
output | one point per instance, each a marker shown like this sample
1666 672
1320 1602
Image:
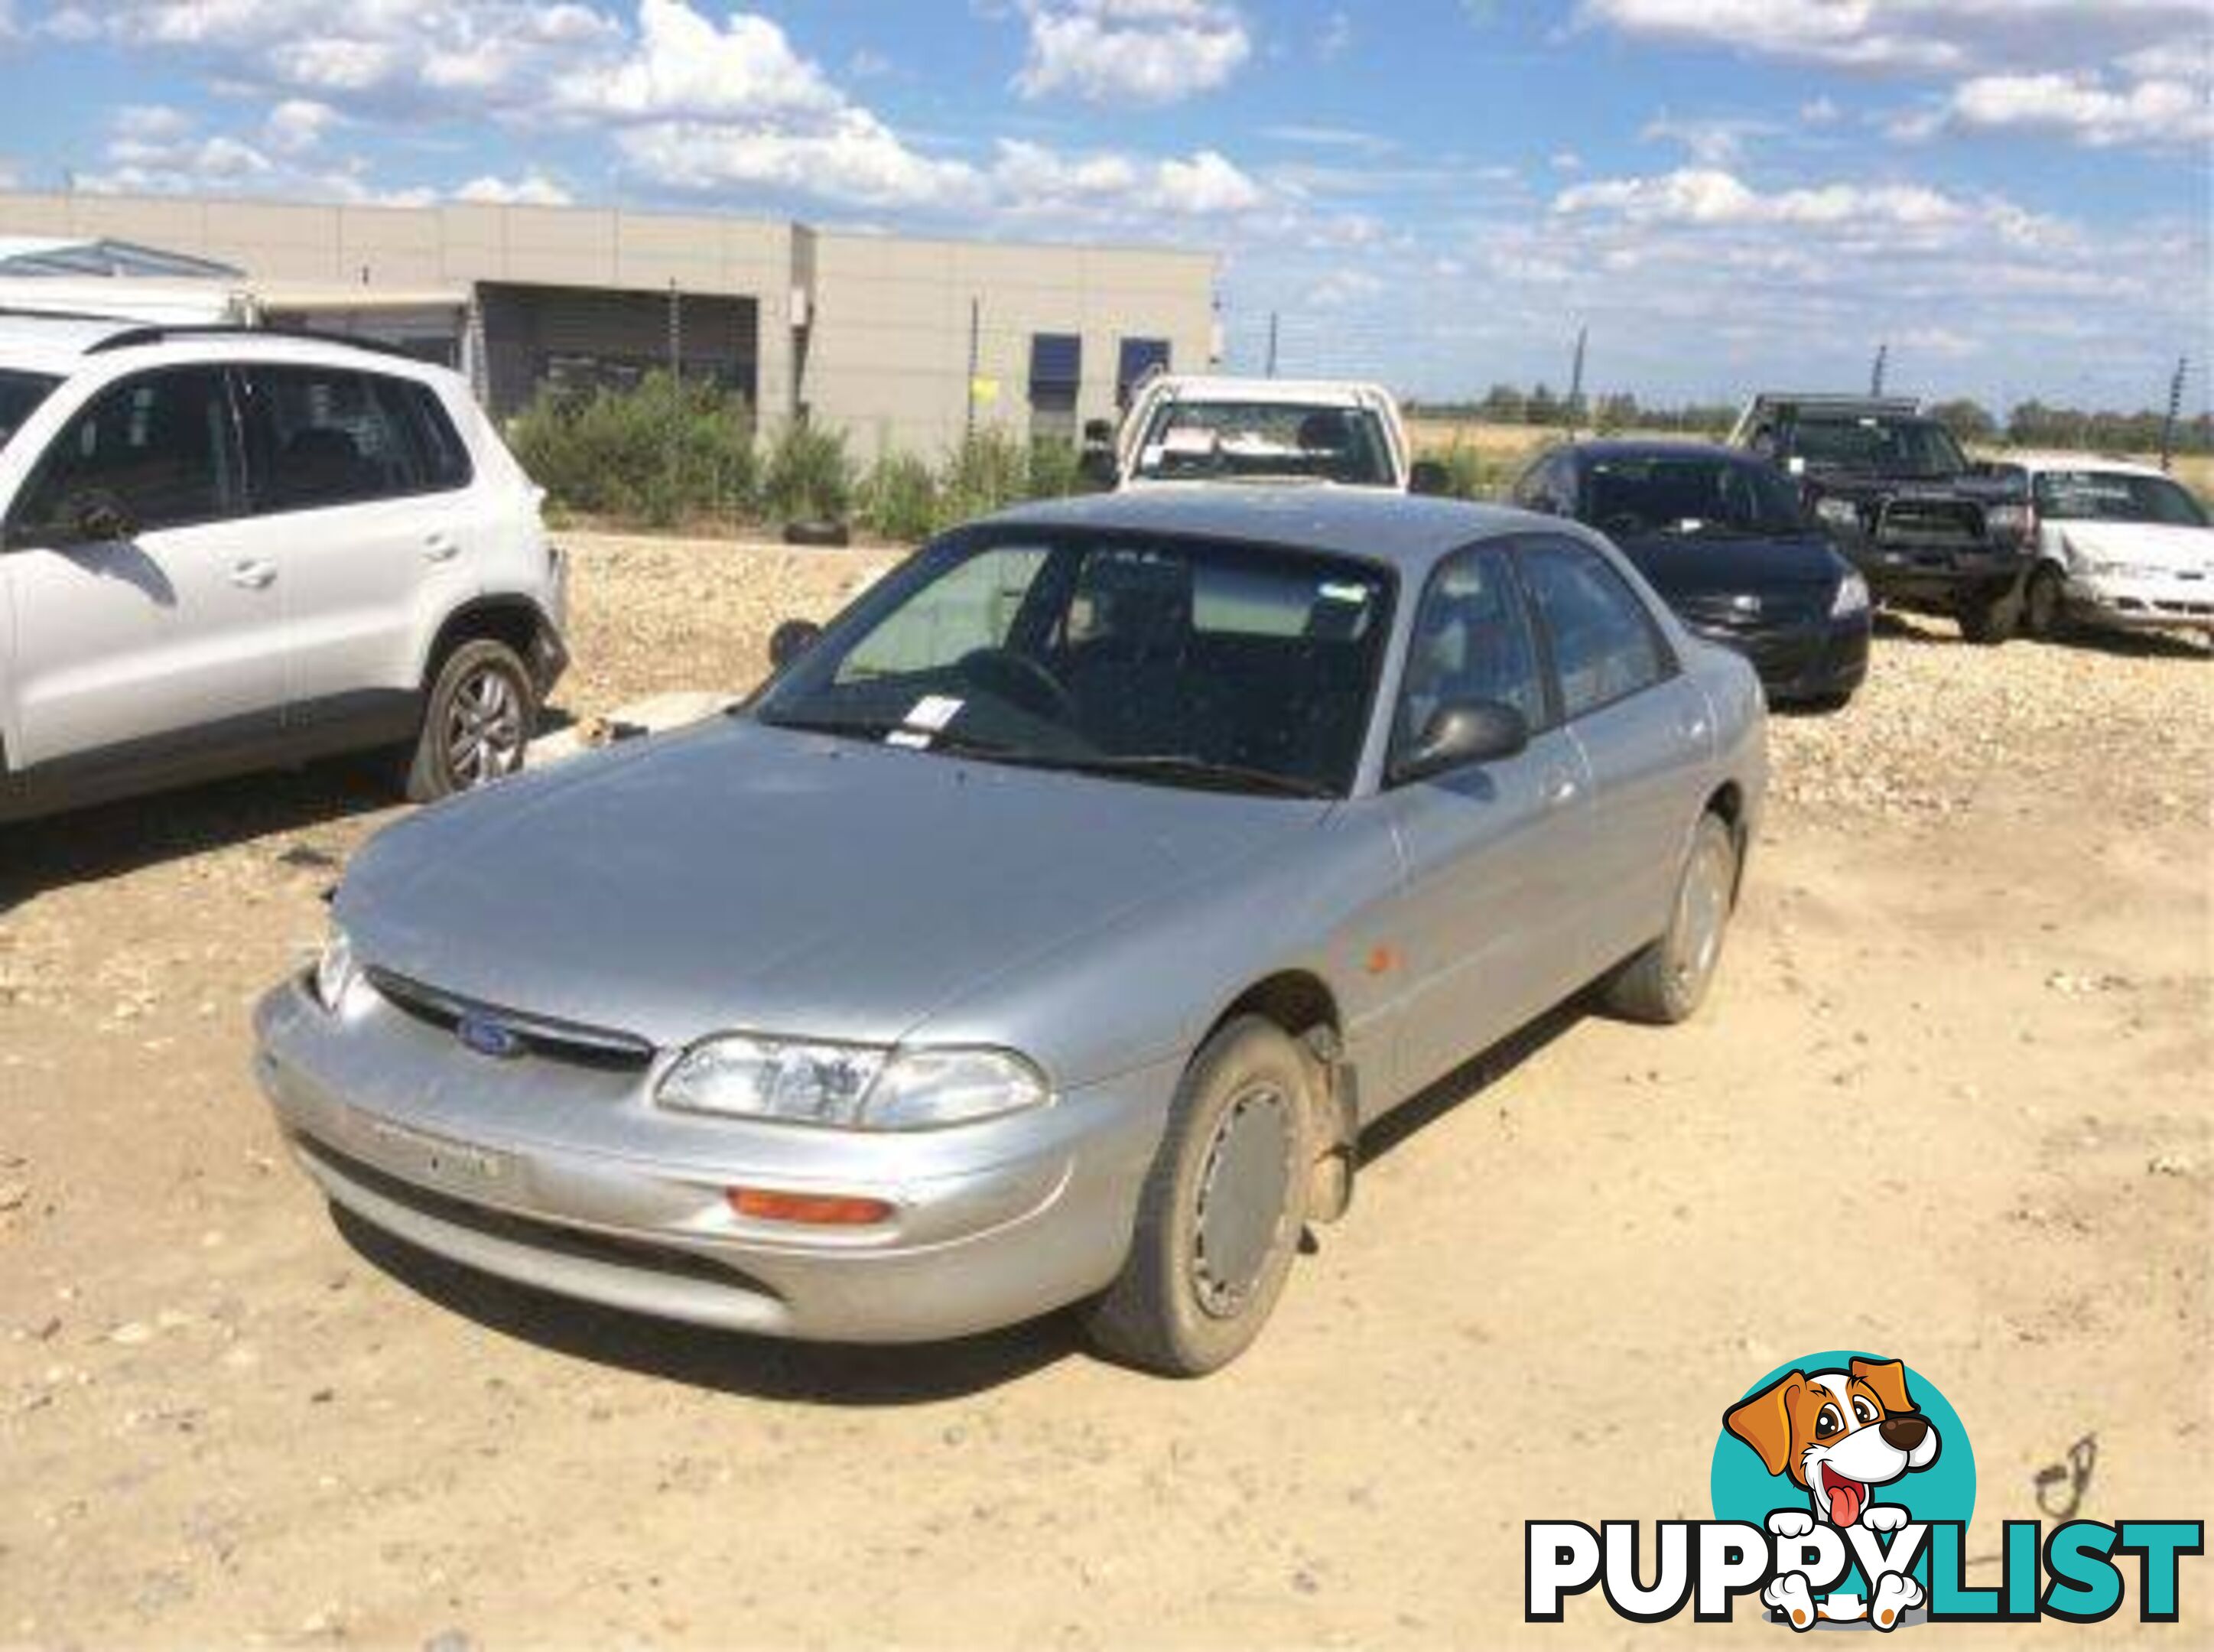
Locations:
1468 474
808 477
899 499
665 452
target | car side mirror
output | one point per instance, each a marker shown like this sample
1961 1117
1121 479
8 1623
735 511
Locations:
1460 734
94 517
1429 478
790 640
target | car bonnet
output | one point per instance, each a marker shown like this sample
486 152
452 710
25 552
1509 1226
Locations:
743 876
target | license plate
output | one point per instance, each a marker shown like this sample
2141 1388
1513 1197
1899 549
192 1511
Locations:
420 1156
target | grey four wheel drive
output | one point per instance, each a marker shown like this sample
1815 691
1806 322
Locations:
1045 933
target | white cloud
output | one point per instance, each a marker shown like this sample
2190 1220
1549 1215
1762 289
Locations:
851 157
1709 195
1147 51
297 124
2085 108
533 188
2119 71
1712 140
682 67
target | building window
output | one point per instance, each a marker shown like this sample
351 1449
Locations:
1056 372
1139 358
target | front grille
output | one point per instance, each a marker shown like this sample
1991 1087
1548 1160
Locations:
551 1237
569 1041
1728 613
1930 525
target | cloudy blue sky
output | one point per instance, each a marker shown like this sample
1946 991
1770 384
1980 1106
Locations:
2013 195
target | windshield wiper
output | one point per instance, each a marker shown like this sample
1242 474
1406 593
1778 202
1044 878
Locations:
1199 771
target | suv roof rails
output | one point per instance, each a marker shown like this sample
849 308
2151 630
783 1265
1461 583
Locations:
131 337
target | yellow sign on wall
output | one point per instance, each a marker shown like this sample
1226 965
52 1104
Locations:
984 390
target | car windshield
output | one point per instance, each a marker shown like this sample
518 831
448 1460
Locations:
1890 447
1265 440
1151 658
1693 494
19 396
2115 495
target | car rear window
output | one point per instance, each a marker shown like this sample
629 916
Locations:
329 435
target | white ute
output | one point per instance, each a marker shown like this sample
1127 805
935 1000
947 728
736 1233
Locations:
225 549
1183 429
2117 544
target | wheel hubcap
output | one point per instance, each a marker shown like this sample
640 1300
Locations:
1702 908
1244 1190
484 729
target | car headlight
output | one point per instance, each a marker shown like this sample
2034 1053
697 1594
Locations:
1852 596
1837 513
335 970
852 1086
2008 521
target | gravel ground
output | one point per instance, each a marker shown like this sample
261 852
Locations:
1948 1103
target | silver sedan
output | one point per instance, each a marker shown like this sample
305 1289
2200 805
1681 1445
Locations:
1045 933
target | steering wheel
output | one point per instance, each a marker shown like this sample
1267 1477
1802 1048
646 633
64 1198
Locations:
1020 679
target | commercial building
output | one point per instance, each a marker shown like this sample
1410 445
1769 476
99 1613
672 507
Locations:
901 341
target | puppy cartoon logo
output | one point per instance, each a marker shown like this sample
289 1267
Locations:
1840 1437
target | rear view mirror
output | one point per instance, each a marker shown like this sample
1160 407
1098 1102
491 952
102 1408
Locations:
790 640
1461 733
1429 478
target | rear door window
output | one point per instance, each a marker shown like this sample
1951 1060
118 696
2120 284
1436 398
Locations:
1605 644
325 436
161 445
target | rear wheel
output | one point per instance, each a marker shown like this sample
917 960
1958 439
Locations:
1220 1216
477 722
2044 604
1989 618
1667 982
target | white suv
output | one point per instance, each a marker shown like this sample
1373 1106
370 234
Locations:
225 549
1192 429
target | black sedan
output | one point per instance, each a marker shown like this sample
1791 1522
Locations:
1723 537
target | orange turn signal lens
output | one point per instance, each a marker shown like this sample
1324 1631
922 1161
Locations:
816 1209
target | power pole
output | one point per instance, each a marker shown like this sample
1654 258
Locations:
1575 403
2174 412
1272 343
675 332
976 328
1875 373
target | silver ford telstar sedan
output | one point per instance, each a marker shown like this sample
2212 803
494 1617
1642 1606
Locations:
1044 933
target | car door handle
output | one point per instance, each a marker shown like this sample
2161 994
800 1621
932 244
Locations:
440 547
254 576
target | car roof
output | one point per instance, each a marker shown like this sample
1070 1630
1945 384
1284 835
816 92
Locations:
1304 392
1406 530
67 344
1653 447
2034 461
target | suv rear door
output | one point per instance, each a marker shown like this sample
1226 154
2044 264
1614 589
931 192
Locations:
151 646
359 482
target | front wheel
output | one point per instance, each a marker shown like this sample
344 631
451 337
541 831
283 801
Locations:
2044 604
1989 618
477 722
1667 982
1220 1214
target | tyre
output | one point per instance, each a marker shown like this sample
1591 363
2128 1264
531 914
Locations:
1667 982
477 722
831 534
2044 604
1221 1211
1989 618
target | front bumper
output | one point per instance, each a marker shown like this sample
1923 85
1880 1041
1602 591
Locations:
567 1178
1818 659
2168 602
1938 580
